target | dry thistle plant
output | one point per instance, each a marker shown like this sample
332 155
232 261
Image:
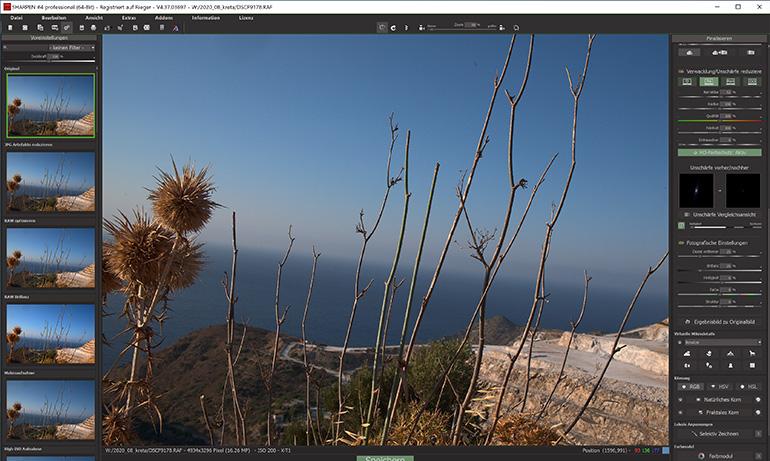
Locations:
11 263
147 259
13 413
14 109
13 185
13 337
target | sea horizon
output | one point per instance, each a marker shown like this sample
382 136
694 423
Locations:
454 300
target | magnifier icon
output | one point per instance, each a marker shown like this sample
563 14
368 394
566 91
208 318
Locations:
515 27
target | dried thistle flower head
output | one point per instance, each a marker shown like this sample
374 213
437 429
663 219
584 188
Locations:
17 102
16 406
12 414
139 249
186 265
17 330
183 202
116 427
17 178
11 338
110 282
11 262
17 254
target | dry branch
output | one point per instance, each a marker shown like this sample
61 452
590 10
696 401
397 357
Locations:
389 283
279 319
615 349
358 292
575 91
308 368
573 328
478 154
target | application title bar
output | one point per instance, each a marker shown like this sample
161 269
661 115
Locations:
386 7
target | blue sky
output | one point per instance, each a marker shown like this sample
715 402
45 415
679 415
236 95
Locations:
33 242
77 320
34 394
77 168
76 92
295 130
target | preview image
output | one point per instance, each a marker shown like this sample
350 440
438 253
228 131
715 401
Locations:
49 334
43 257
50 182
411 246
50 105
49 410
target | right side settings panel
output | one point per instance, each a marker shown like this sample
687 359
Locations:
718 241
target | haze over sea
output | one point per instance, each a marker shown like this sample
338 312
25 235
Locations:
453 302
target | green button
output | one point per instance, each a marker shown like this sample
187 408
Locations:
709 81
719 152
385 458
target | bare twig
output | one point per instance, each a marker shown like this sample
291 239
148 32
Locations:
575 91
358 292
513 187
308 368
389 282
493 275
478 154
229 285
615 349
206 419
279 319
389 414
573 328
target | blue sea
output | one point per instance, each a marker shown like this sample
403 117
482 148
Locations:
37 267
453 302
40 420
36 191
39 343
37 115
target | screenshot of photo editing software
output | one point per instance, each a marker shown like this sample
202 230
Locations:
384 231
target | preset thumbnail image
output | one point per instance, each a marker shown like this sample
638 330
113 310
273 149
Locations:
403 274
54 257
48 334
48 105
50 181
49 410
